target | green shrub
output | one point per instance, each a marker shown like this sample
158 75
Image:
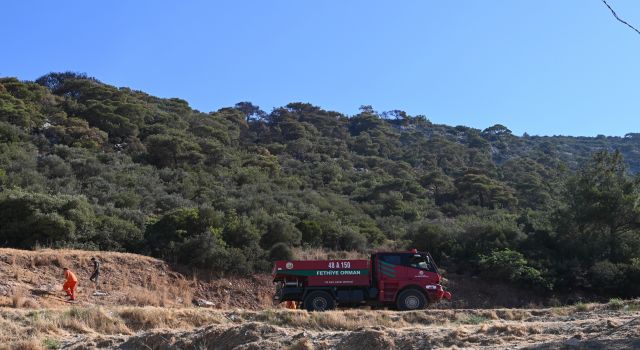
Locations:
352 240
473 319
280 251
606 276
48 219
51 344
582 307
511 266
615 303
280 228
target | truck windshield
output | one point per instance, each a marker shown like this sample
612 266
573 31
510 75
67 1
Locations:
421 262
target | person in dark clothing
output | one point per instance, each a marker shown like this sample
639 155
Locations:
96 271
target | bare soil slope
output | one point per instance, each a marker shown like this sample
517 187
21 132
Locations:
34 279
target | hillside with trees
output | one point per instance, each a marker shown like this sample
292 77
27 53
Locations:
91 166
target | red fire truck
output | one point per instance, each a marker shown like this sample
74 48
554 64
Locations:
407 280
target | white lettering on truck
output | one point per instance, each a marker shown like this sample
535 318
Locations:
339 264
337 273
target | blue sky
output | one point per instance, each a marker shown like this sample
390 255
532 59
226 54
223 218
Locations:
545 67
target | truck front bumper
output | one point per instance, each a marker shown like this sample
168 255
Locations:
436 292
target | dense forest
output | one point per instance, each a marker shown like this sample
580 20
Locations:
88 165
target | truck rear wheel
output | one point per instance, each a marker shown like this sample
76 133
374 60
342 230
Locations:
411 299
319 301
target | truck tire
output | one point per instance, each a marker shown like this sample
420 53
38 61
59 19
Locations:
411 299
319 301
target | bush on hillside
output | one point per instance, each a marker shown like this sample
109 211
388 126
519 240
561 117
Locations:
511 266
280 251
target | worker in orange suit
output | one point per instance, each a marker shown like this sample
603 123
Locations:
289 304
71 281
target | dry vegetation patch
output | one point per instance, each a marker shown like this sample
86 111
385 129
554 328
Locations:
297 329
146 318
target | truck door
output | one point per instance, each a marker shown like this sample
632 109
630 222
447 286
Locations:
422 269
390 273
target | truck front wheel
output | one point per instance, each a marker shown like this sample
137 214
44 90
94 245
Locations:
411 299
319 301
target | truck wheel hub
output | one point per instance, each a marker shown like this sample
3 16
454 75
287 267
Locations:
412 302
319 303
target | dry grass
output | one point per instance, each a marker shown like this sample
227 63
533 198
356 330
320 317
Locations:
226 301
43 322
472 318
264 300
97 320
155 293
324 254
518 330
23 345
584 307
303 344
17 299
183 292
92 320
79 320
458 333
512 314
334 320
151 282
563 311
454 327
58 259
340 320
150 318
5 301
9 330
143 297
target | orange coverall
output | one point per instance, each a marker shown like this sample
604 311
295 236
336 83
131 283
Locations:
290 305
70 284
